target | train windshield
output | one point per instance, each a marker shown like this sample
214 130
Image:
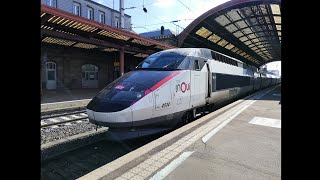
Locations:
117 96
123 91
163 60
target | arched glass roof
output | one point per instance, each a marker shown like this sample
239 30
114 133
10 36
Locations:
249 30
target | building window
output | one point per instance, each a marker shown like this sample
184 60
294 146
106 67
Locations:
89 72
90 13
101 17
117 23
53 3
77 9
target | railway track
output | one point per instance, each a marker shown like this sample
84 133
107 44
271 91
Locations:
55 120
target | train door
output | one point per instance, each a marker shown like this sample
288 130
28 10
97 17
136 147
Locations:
199 83
180 91
208 83
252 80
195 83
213 82
163 98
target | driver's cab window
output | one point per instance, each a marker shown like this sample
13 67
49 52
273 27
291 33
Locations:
196 65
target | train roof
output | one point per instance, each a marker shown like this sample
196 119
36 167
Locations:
200 52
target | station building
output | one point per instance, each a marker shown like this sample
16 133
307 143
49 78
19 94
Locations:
165 35
83 46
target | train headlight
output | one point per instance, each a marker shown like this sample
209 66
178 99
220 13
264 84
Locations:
139 95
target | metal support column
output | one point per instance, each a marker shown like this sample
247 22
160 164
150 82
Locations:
122 60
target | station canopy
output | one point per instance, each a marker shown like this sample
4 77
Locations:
62 28
249 30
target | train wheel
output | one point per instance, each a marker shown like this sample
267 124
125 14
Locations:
211 108
186 118
193 114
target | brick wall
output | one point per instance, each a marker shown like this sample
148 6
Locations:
70 60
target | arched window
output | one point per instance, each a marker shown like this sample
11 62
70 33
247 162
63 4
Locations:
89 72
89 76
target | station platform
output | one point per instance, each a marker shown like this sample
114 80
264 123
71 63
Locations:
60 99
53 96
239 141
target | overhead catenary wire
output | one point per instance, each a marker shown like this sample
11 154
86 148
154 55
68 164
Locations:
173 24
166 22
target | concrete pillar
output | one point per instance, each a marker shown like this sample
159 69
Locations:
122 60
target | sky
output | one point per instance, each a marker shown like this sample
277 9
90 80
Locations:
274 66
162 12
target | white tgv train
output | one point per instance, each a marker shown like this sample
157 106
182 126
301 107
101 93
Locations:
172 86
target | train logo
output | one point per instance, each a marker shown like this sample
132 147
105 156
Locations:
183 87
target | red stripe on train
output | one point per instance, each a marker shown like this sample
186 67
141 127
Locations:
166 79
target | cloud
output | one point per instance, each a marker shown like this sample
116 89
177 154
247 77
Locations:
274 66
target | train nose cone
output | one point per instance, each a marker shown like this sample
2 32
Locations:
115 102
114 119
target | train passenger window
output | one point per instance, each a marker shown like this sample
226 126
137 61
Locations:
213 55
196 65
225 59
218 57
222 58
228 60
